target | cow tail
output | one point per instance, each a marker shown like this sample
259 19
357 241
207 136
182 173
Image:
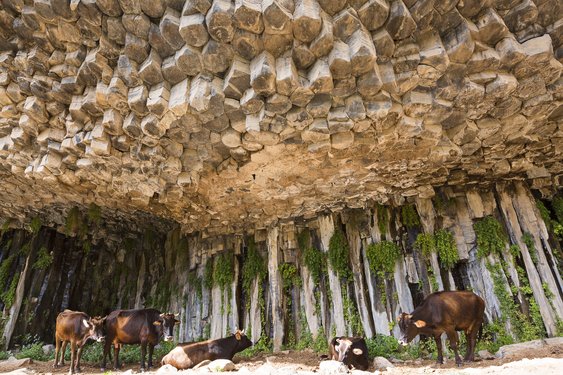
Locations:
481 330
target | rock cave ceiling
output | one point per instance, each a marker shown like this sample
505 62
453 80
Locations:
228 115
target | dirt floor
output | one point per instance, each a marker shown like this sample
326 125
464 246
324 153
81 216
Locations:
307 361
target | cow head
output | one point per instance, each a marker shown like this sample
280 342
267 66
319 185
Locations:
243 341
166 323
95 328
409 328
346 350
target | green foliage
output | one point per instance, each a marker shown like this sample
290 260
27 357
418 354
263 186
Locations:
254 267
447 248
383 256
494 336
33 351
44 259
425 243
315 260
409 216
529 242
4 355
223 272
338 251
35 225
557 205
442 242
320 345
262 346
5 269
94 214
208 274
196 283
544 212
351 315
382 346
9 296
382 219
514 250
290 275
491 237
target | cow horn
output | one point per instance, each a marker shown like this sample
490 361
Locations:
85 322
176 315
161 315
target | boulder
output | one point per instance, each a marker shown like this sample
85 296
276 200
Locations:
382 364
221 365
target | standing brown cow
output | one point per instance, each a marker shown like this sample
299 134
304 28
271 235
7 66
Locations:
75 327
144 327
446 312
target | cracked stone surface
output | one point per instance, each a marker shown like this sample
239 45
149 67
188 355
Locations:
228 115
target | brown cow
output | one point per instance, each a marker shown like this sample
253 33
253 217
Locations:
188 355
144 327
352 351
75 327
446 312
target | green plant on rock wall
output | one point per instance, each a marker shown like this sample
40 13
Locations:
9 296
491 237
446 248
529 242
409 216
5 267
315 260
35 225
557 205
382 219
196 283
290 275
223 276
94 214
44 259
383 256
544 213
351 315
426 244
254 267
338 252
208 274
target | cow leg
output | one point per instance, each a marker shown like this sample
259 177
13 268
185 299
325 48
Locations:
63 353
104 356
72 357
151 350
116 355
471 336
143 354
452 336
57 351
78 355
440 359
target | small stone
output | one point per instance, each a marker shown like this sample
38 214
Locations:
382 364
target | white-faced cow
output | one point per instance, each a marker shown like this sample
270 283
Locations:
144 327
188 355
447 312
75 327
352 351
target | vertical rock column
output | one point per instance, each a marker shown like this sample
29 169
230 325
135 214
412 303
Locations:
355 242
507 203
427 215
254 314
275 282
326 229
379 312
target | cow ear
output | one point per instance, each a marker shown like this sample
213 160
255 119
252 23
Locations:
157 322
176 322
357 351
420 323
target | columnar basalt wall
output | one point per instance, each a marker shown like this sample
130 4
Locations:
346 272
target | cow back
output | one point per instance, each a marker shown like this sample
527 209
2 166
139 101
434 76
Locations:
132 326
70 326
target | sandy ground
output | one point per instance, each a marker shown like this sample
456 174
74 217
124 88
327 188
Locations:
542 361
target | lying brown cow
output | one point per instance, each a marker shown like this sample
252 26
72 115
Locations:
75 327
188 355
446 312
144 327
352 351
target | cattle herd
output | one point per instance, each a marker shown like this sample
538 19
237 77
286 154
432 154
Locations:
440 312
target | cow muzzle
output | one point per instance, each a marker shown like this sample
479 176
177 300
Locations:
403 341
168 338
101 339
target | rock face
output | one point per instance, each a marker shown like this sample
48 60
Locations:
193 112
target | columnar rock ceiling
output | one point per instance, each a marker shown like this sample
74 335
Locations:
223 115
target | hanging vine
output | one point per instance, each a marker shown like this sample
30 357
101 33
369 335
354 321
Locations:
338 252
409 216
223 276
382 219
491 237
